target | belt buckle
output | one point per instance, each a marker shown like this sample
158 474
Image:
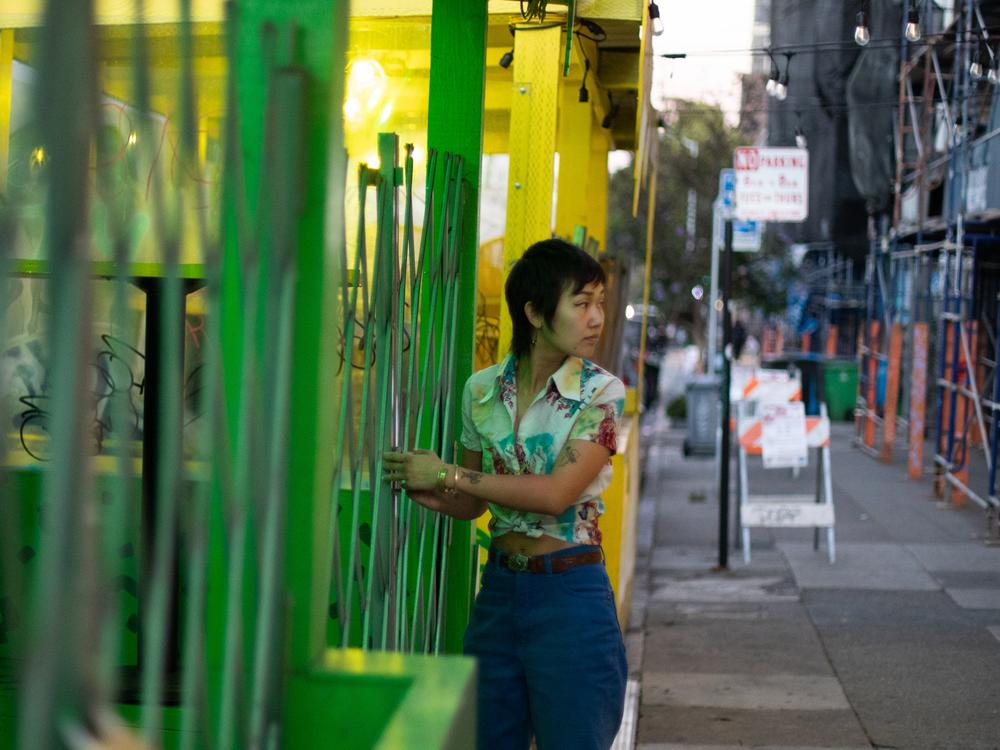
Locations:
517 562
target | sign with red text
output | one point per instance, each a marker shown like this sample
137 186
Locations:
772 184
783 440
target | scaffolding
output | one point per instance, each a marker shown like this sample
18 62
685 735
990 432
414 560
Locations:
830 308
933 271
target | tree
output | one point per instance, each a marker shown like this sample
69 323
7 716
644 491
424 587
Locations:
695 144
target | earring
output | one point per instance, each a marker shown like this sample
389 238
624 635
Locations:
534 338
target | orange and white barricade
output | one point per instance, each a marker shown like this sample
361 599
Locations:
778 429
767 386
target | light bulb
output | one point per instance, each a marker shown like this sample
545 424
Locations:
913 26
976 70
654 19
771 84
780 91
861 35
800 140
991 75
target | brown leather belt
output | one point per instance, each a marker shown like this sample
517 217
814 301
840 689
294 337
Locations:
536 563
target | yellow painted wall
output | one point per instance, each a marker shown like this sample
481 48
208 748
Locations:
618 524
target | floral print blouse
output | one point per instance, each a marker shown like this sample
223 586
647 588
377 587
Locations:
581 402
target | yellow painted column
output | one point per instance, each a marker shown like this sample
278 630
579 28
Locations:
597 187
6 90
575 122
532 145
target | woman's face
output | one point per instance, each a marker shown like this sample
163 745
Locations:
576 327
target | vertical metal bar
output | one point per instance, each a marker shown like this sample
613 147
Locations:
347 402
67 113
386 272
953 375
408 283
453 216
941 391
367 442
193 678
994 421
283 176
120 207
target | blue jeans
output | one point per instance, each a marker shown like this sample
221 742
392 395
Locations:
551 658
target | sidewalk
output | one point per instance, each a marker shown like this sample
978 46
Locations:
896 645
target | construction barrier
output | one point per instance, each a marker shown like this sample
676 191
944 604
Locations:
787 510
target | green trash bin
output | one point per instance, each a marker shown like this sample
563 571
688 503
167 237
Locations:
840 388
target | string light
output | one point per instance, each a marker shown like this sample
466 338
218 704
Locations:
772 80
976 70
861 34
609 118
654 19
584 94
781 90
506 59
913 25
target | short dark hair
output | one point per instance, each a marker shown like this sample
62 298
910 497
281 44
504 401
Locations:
540 276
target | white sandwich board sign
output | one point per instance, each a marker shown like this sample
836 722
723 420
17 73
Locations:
772 184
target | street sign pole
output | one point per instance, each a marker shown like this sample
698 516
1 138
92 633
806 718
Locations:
713 293
727 335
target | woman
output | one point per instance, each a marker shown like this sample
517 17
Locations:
538 432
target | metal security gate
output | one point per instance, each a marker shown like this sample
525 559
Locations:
400 303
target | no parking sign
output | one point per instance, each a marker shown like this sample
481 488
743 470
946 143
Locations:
772 184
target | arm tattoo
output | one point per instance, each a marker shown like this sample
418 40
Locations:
473 477
570 455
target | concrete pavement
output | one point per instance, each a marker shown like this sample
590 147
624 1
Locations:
896 645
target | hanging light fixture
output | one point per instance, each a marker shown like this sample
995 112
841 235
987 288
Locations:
584 94
800 138
781 88
913 25
861 33
772 80
975 67
654 18
609 118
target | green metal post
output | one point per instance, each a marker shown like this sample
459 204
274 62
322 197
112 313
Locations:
307 36
455 124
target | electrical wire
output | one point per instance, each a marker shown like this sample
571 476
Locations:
817 47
